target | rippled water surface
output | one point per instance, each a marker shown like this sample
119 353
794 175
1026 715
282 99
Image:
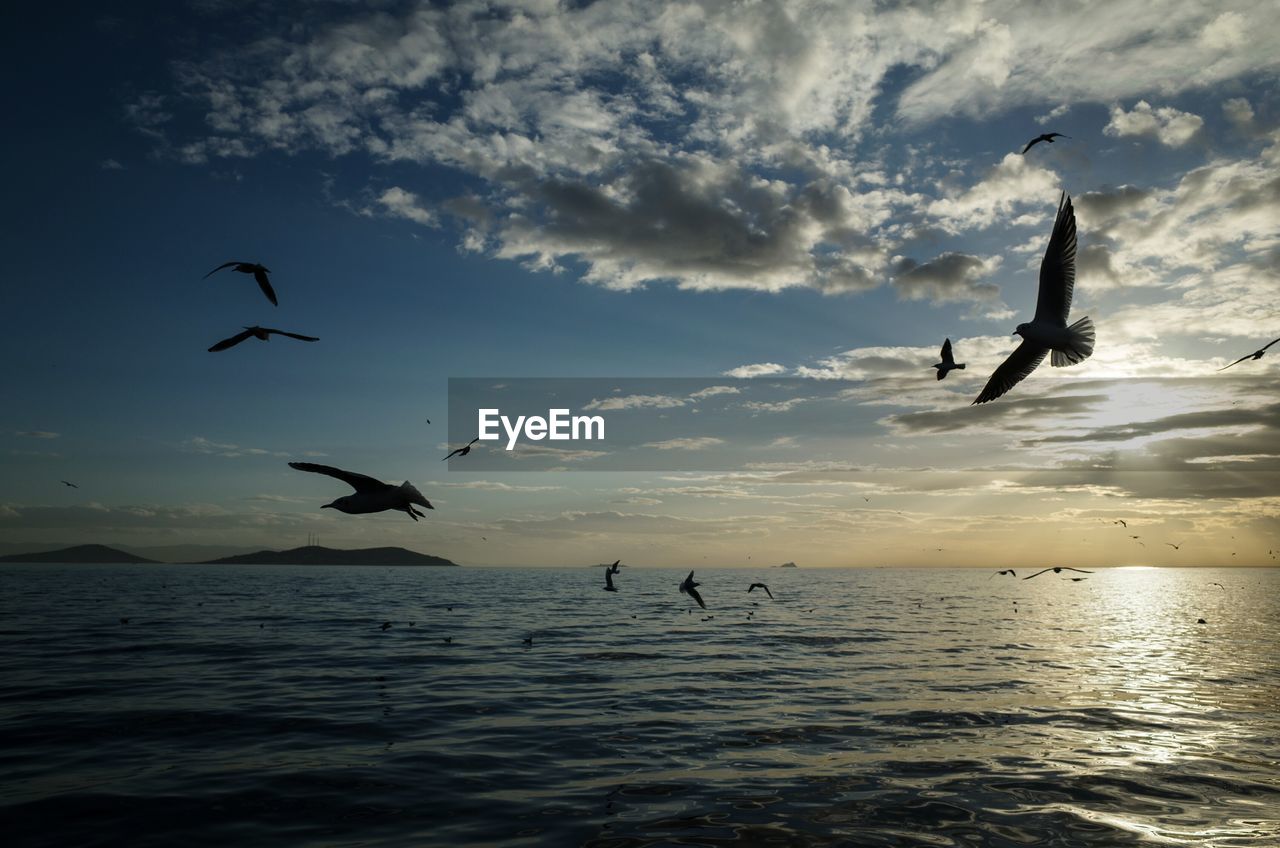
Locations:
265 706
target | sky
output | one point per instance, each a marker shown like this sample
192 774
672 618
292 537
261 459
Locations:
815 193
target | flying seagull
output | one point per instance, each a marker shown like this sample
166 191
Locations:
1048 331
1049 137
1058 569
463 451
1009 571
608 580
688 587
1257 354
760 586
1172 545
261 333
371 495
69 483
948 363
259 273
616 567
1122 523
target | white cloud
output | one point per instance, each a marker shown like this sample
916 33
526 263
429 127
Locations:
692 443
760 369
399 203
1168 125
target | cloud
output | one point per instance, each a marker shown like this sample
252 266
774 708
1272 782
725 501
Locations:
760 369
199 444
635 402
111 165
36 434
693 443
399 203
947 278
1169 126
712 391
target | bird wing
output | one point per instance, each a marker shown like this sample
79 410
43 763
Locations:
946 353
766 591
265 284
300 338
1038 573
1238 361
1267 345
1080 570
1030 144
219 268
694 594
454 453
1058 270
751 588
231 342
359 482
1012 371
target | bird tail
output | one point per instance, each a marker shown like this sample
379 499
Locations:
960 365
1079 345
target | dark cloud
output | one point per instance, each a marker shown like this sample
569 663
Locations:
1004 415
949 277
1212 418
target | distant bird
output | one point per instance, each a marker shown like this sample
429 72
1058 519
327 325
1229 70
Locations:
463 451
69 483
1135 537
1048 331
1008 571
1122 523
371 495
1219 585
259 273
124 621
528 640
1049 137
1058 569
760 586
616 567
448 640
688 587
261 333
1175 547
608 580
1257 354
1075 579
948 363
1201 621
386 625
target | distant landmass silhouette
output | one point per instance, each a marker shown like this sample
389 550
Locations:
317 555
99 554
788 565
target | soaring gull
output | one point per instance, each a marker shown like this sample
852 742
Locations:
464 450
760 586
1049 330
688 587
948 363
259 273
1049 137
260 333
371 495
1257 354
1058 569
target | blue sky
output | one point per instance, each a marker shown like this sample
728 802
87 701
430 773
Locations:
630 190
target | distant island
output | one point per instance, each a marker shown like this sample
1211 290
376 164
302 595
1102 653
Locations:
96 554
317 555
788 565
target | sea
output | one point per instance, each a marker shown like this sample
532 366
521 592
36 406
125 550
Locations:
274 706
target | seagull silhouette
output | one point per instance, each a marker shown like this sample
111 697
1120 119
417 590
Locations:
1058 569
1257 354
371 495
1048 331
262 333
1009 571
760 586
69 483
616 567
688 587
948 363
464 450
1122 523
259 273
608 580
1175 547
1049 137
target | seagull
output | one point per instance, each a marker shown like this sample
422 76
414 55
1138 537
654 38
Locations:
463 451
760 586
608 580
1075 579
529 640
688 587
371 495
1049 137
386 625
1172 545
1122 523
1048 330
69 483
262 333
1257 354
1058 569
259 273
1219 585
1009 571
948 363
